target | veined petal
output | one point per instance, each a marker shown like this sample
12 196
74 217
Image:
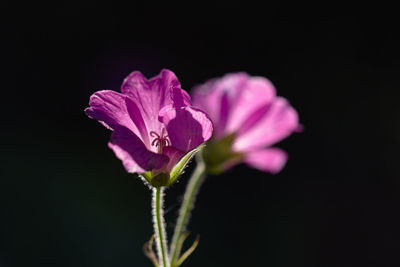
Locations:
269 160
252 102
174 156
279 122
234 102
137 118
218 96
180 98
113 110
187 127
151 95
109 108
133 153
205 98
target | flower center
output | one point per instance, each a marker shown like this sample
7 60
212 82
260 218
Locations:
160 141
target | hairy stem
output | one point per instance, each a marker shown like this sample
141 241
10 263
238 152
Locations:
159 227
189 198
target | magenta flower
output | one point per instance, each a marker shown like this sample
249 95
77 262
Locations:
153 121
248 119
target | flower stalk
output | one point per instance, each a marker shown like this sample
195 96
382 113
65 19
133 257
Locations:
159 227
189 198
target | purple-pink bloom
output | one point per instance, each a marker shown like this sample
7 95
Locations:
248 109
153 122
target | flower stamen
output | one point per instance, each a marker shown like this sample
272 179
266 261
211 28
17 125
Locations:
160 141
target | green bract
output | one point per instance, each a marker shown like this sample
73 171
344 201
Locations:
160 178
177 170
218 154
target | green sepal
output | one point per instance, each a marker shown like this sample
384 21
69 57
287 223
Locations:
218 155
177 170
146 176
160 179
156 178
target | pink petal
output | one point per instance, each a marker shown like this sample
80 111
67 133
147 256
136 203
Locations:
137 118
234 102
217 97
187 127
269 160
174 156
133 153
280 121
110 108
253 100
151 95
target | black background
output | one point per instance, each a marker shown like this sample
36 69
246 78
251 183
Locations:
67 201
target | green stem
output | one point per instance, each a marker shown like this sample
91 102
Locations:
159 226
189 198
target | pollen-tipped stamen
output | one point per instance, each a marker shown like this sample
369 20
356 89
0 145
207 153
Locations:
160 141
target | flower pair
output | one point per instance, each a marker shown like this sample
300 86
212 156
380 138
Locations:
156 129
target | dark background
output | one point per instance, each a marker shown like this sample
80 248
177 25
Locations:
67 201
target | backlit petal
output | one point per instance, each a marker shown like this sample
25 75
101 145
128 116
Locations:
109 108
279 122
151 95
113 109
233 100
269 160
174 156
187 127
133 153
218 97
250 106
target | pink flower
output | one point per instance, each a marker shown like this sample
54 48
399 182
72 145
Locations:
153 121
248 119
